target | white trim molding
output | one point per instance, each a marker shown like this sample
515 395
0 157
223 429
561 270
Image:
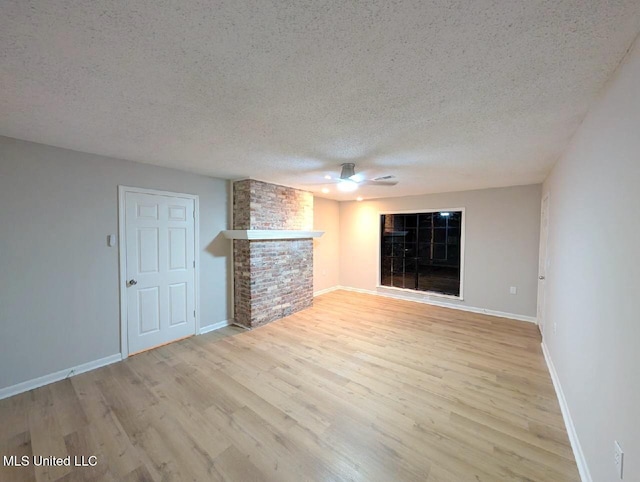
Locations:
581 462
266 234
399 296
326 290
214 326
245 328
57 376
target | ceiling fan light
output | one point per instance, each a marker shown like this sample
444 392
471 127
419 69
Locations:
347 186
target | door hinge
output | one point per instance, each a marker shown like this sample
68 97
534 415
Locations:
194 313
194 264
194 214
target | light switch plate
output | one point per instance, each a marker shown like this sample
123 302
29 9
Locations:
111 240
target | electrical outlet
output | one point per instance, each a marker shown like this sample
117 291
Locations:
555 327
513 290
618 455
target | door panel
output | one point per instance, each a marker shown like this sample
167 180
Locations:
147 211
177 248
178 301
149 310
177 213
148 252
160 254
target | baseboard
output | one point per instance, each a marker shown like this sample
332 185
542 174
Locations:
240 326
583 468
57 376
443 304
85 367
326 290
215 326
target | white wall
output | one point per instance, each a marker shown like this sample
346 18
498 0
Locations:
501 248
593 281
326 249
59 299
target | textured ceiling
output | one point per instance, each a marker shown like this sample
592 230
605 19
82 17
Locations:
445 95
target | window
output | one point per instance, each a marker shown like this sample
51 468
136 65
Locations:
422 251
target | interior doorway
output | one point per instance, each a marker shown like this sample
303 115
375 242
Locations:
158 267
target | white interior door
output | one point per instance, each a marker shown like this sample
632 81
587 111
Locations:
160 269
543 262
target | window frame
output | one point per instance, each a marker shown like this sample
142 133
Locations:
379 286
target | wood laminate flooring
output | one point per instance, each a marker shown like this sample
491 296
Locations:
358 387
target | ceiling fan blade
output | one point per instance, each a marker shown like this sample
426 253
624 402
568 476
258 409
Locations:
378 183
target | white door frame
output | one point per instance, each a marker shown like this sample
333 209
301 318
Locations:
122 190
542 284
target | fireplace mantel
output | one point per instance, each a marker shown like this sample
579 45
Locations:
262 234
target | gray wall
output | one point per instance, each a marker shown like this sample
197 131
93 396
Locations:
59 298
593 280
501 248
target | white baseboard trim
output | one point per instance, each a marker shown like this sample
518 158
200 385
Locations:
583 468
57 376
326 290
444 304
215 326
240 326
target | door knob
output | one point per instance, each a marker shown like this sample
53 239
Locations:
132 282
541 277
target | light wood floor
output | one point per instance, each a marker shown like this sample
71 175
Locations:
356 388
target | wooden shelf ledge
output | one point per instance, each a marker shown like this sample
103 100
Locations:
255 234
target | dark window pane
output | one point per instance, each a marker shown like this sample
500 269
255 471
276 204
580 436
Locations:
404 273
454 220
385 275
410 250
441 279
439 235
440 219
387 247
424 220
421 251
439 251
398 248
385 227
453 236
424 250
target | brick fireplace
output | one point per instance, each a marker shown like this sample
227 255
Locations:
273 278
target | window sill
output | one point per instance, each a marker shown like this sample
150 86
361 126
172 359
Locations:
418 292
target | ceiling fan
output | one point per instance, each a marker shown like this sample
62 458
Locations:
346 181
